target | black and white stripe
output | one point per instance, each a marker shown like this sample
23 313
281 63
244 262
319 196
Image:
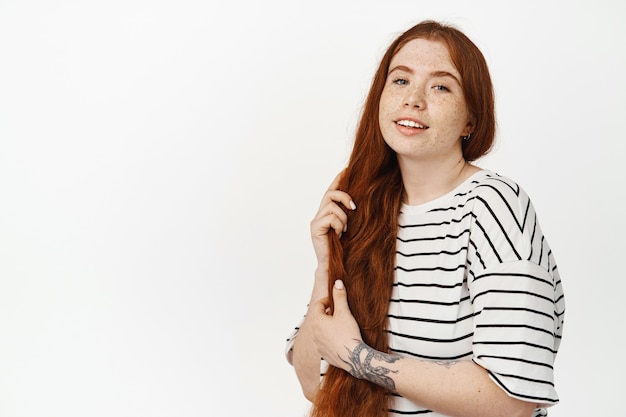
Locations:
476 280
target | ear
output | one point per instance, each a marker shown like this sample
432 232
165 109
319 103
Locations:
470 126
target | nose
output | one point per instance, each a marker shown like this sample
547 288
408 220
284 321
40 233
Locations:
415 98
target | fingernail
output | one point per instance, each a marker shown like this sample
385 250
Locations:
352 205
345 228
339 284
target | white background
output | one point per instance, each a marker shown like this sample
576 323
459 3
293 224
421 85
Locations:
160 162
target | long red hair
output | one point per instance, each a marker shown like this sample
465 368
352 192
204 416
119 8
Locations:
364 258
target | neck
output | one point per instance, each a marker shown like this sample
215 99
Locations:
426 180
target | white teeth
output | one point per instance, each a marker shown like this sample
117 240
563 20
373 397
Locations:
409 123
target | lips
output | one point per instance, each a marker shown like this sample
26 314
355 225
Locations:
410 123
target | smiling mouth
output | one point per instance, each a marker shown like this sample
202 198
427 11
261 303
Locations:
411 124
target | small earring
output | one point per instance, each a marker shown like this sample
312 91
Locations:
466 138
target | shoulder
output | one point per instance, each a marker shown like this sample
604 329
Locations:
503 228
501 204
489 182
490 188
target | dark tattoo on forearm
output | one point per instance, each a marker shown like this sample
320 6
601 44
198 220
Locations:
365 370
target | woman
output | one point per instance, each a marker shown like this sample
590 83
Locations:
436 293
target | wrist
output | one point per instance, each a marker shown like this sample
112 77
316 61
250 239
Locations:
321 273
320 285
372 365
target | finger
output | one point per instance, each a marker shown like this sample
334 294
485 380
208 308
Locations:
320 306
333 210
329 217
340 297
331 207
321 227
337 196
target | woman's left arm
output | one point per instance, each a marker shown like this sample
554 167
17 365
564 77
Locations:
461 388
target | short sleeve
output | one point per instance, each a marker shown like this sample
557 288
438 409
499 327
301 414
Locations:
515 291
517 329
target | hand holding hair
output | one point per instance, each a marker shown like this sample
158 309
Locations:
336 335
330 217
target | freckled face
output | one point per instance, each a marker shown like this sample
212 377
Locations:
422 110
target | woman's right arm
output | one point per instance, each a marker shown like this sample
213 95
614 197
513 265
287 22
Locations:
305 356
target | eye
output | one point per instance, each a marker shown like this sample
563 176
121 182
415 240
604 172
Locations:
441 88
400 81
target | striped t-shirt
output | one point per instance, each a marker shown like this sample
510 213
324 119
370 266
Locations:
476 280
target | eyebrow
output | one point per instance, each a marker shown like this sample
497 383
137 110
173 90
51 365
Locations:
432 74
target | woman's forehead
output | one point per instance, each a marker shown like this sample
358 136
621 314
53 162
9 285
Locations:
427 54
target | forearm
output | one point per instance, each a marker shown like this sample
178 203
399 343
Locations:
305 356
461 388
